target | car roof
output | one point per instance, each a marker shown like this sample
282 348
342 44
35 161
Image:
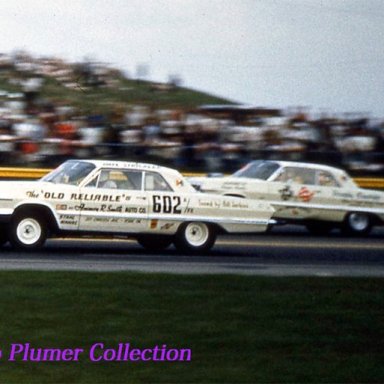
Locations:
118 164
305 165
341 175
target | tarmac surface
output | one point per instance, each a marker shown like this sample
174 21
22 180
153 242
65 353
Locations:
288 251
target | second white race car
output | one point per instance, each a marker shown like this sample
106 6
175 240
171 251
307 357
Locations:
317 196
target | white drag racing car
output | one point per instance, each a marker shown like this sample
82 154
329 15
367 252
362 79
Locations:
317 196
152 204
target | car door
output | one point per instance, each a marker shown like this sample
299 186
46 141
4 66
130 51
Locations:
164 204
306 193
293 192
329 197
114 201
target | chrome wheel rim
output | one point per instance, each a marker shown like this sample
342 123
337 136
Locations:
358 221
28 231
197 234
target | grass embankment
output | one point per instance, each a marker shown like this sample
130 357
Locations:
240 329
93 100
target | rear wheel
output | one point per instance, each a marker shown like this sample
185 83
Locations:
357 223
155 242
195 237
28 231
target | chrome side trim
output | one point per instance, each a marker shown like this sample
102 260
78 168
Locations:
219 220
222 220
347 208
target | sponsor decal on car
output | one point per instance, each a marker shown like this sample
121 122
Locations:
286 193
305 194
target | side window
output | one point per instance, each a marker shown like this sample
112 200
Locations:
156 182
93 182
297 175
326 179
118 179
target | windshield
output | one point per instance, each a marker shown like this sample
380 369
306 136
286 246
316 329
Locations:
71 172
257 170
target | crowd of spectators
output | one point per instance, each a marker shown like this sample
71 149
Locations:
35 133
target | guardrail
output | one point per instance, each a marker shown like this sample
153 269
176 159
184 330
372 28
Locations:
369 182
22 173
36 173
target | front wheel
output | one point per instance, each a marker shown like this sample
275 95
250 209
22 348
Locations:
28 231
357 223
195 237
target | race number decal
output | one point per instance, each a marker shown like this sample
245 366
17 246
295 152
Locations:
166 204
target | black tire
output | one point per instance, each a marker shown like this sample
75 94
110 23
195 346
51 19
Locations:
357 223
195 237
155 242
3 235
28 231
319 228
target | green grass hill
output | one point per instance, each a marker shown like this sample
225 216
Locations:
119 91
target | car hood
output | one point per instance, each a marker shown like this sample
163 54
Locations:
23 189
14 186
